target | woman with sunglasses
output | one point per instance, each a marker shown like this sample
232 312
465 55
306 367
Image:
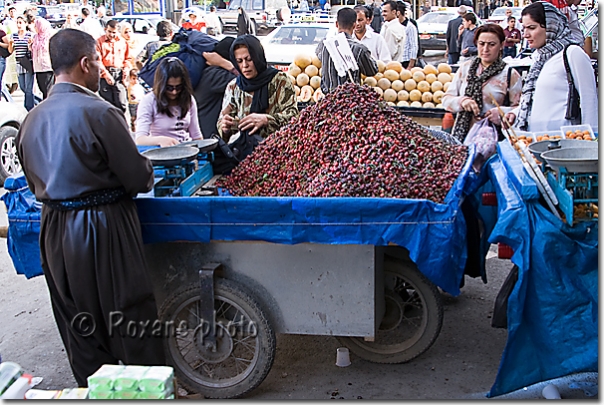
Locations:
167 116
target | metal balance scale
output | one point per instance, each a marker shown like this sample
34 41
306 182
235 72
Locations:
182 170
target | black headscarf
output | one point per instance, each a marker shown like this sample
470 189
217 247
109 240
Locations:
244 24
259 84
223 47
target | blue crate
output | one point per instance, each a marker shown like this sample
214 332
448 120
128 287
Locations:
573 189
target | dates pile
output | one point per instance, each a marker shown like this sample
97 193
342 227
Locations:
349 144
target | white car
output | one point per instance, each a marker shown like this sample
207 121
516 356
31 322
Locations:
287 41
499 14
12 115
432 27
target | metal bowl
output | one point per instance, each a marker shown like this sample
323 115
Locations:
204 145
576 160
171 156
538 148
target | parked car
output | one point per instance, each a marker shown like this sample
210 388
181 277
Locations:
499 14
54 14
265 14
12 115
432 27
287 41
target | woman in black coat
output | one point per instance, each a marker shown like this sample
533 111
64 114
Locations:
244 24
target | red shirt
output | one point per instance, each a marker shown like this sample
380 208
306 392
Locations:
197 26
114 53
514 33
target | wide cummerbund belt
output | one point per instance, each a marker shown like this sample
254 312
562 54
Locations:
94 199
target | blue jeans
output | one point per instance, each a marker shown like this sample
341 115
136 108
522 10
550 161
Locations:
2 69
509 51
453 58
26 83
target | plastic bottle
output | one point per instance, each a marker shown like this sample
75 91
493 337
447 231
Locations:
18 389
448 122
9 373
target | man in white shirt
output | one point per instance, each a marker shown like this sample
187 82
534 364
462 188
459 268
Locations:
365 35
504 23
91 25
213 22
392 30
411 45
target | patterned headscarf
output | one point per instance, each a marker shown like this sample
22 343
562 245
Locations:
557 36
43 33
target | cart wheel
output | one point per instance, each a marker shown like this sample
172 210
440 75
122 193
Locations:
412 320
245 342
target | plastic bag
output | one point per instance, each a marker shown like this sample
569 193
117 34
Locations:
484 136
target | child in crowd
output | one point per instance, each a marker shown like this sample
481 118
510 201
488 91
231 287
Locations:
136 91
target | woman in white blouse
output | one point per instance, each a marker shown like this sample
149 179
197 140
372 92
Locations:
545 92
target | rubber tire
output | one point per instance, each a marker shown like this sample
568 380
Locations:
267 341
430 298
7 134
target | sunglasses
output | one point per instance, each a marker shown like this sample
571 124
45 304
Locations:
174 88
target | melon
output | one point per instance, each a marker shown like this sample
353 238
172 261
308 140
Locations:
426 97
391 75
402 103
436 86
397 85
410 84
378 76
316 61
418 76
423 86
390 95
403 95
429 105
444 77
430 78
415 95
315 82
381 66
430 69
444 68
391 103
291 78
363 77
302 60
416 69
394 65
370 81
320 72
294 70
302 79
439 106
317 95
405 75
311 70
306 94
437 96
446 86
297 90
383 83
379 91
416 104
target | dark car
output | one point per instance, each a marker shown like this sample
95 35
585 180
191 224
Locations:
54 14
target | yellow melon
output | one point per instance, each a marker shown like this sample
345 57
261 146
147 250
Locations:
379 91
444 68
416 69
294 70
381 66
416 104
402 103
394 65
391 75
315 82
430 78
418 76
446 86
370 81
383 83
397 85
437 96
410 84
320 72
390 95
363 77
423 86
405 75
311 70
316 61
317 95
306 94
415 95
291 79
436 86
444 77
428 105
378 76
302 79
302 60
426 97
430 69
403 95
391 103
297 90
439 106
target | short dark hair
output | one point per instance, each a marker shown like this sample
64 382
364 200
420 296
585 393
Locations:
401 7
392 4
471 17
164 28
85 11
492 28
510 18
346 18
11 8
536 12
67 47
212 8
364 9
111 24
167 68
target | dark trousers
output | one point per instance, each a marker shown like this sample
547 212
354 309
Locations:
509 51
115 94
453 58
45 81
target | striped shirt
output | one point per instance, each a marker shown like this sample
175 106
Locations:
20 49
410 46
362 55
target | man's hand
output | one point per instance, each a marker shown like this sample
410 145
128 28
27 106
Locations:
465 51
109 80
253 122
214 59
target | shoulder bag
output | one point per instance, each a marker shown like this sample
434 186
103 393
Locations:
573 103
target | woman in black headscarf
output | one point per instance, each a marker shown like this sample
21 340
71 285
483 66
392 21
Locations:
244 24
261 99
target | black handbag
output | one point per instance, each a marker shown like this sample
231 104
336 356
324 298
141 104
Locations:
26 62
228 156
573 103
